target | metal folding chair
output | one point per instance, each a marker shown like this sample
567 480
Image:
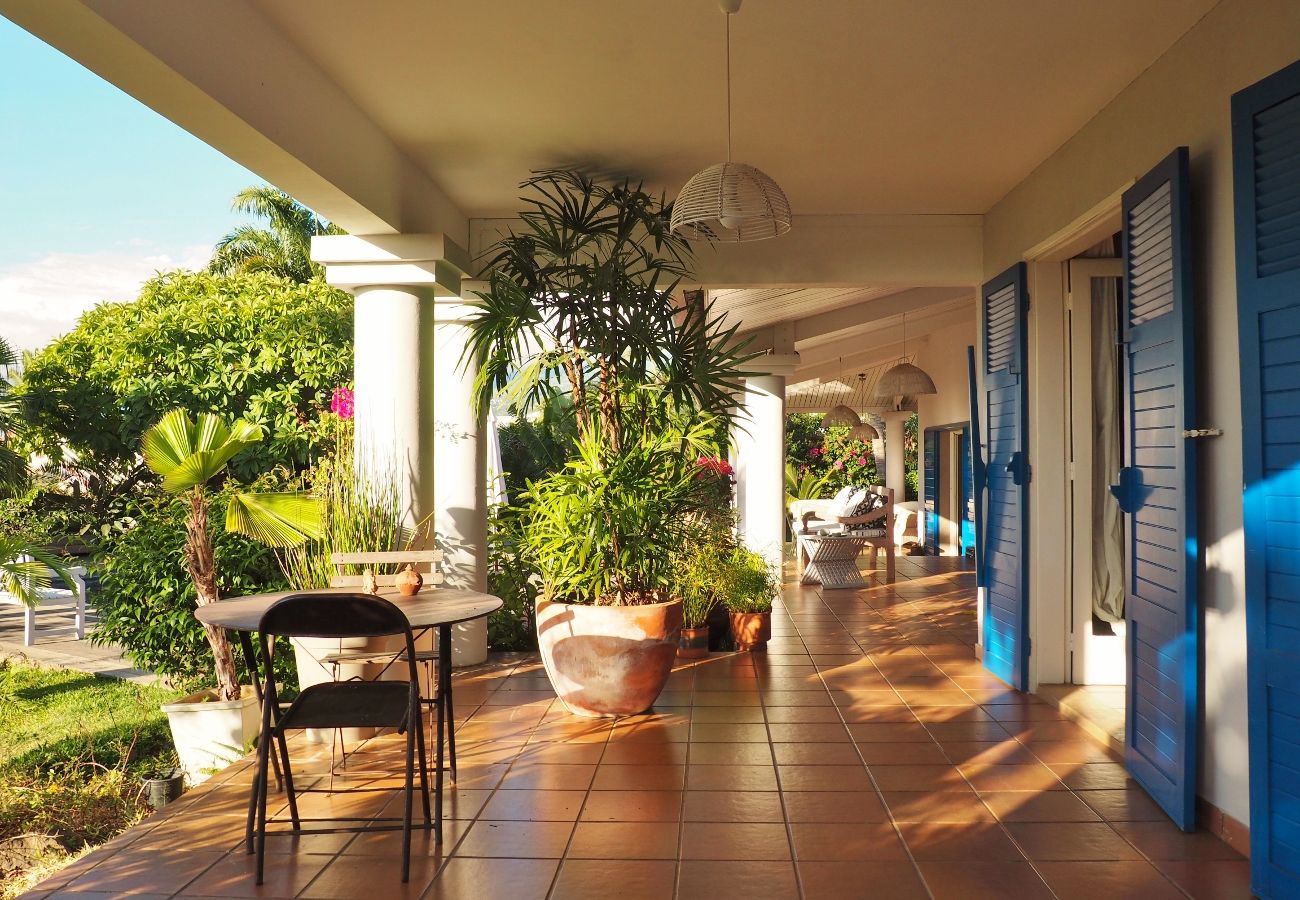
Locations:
340 704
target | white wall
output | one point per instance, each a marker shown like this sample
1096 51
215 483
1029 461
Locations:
1183 98
943 357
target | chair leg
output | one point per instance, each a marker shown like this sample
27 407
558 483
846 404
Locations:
412 728
422 748
283 747
81 614
29 626
263 765
451 730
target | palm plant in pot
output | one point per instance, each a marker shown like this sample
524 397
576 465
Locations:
215 726
583 302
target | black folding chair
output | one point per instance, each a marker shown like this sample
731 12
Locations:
341 704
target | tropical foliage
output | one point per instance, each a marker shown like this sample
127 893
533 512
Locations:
828 455
13 467
281 248
188 453
146 599
26 569
253 346
584 301
750 582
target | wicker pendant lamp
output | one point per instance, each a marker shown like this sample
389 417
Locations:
905 379
864 432
730 202
841 416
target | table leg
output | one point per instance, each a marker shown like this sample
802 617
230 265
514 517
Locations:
444 692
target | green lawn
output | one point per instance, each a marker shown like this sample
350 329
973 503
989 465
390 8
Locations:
72 750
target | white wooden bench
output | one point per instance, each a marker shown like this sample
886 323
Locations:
54 601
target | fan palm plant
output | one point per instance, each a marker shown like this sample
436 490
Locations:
281 248
13 468
188 454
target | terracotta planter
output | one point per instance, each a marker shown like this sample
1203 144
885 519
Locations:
694 643
751 631
608 660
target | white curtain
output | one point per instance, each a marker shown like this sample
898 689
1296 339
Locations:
1107 525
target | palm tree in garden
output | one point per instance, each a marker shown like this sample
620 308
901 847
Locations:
281 248
188 454
26 569
13 468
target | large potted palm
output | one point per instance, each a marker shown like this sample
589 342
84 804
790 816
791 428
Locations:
583 301
214 727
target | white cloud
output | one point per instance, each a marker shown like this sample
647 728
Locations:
41 300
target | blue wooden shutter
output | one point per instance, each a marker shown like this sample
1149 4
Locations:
931 501
1005 398
1157 489
1266 176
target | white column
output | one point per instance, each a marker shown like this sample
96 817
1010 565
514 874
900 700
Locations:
413 402
759 451
895 438
394 394
460 474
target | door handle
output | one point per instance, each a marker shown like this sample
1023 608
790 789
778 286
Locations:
1129 492
1017 468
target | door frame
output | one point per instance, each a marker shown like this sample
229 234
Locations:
1049 491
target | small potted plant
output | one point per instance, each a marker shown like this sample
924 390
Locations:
750 588
699 574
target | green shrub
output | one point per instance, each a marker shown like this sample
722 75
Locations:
47 519
256 347
750 584
513 626
146 601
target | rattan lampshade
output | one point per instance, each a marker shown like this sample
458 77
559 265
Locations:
841 416
731 202
864 432
905 379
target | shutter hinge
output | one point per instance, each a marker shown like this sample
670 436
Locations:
1029 646
1202 432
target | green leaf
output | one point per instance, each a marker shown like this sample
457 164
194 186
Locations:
283 519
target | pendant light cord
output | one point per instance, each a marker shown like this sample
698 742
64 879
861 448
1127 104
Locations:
728 18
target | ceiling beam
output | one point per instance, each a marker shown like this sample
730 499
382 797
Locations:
225 74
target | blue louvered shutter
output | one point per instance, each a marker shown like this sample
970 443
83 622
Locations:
1157 489
931 501
1004 387
1266 183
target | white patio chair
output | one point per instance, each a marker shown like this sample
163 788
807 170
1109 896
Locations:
54 601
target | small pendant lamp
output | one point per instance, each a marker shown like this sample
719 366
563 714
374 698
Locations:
841 416
864 431
731 201
905 379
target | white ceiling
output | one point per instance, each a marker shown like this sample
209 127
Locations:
854 106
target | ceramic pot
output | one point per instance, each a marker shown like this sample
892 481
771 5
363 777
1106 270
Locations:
608 660
694 643
751 631
209 733
409 581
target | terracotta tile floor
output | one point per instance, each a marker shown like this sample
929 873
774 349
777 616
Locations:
865 754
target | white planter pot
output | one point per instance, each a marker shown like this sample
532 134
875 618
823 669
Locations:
210 734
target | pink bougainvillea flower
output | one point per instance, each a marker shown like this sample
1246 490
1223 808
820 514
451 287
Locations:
862 460
342 403
839 463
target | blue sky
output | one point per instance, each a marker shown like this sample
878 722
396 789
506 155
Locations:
97 191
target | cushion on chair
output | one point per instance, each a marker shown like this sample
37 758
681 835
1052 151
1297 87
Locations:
867 505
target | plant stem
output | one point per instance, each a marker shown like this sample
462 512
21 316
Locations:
200 562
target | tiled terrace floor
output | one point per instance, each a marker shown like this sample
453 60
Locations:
866 754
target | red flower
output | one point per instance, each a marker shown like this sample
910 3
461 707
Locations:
342 403
712 465
862 460
839 463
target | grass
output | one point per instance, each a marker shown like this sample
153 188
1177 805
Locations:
73 748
